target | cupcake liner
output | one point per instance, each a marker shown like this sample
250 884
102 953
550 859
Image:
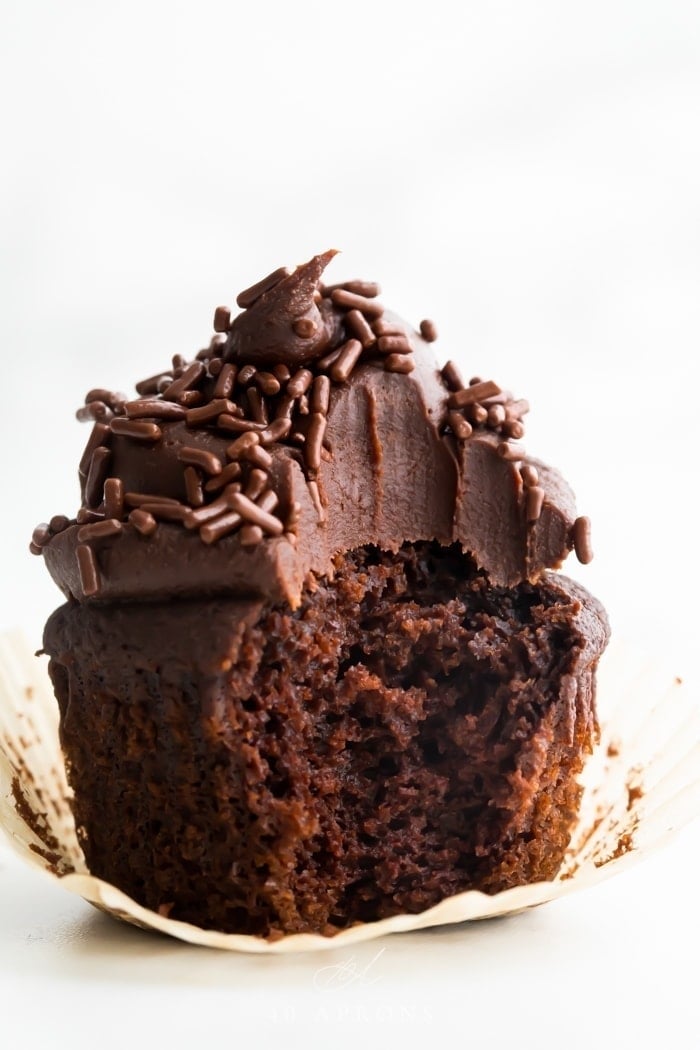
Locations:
642 785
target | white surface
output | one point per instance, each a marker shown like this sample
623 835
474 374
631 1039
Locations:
526 174
615 967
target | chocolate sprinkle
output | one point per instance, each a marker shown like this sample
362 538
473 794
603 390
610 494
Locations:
246 374
85 515
341 369
153 408
100 530
394 344
241 445
511 452
325 362
220 527
380 326
529 475
268 501
113 400
190 398
225 380
152 384
451 374
114 498
246 298
461 428
259 456
275 432
185 382
163 511
368 289
299 383
137 499
87 567
97 475
320 394
285 407
496 416
399 362
254 514
353 301
581 536
268 383
214 510
314 441
257 405
316 500
534 500
218 406
100 435
59 523
256 483
230 472
428 331
41 535
135 428
199 457
222 319
143 522
237 425
514 429
478 414
193 487
251 535
473 393
357 323
95 410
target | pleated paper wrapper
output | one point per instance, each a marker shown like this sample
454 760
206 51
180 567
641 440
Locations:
641 786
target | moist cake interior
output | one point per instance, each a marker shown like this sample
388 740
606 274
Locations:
410 731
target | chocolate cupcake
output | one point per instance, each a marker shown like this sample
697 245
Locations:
314 667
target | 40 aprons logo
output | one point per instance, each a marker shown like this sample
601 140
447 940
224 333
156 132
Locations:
352 995
348 972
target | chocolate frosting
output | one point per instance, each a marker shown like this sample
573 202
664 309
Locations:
289 323
391 465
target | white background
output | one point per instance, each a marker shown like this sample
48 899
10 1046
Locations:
526 174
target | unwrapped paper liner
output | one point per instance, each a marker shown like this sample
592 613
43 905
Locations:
641 786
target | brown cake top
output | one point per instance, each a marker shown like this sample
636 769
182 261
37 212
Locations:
313 422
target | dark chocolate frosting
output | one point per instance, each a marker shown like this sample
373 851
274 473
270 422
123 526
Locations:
314 423
289 324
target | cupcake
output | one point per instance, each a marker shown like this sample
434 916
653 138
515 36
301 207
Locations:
315 666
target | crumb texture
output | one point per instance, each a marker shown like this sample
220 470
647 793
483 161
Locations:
410 731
